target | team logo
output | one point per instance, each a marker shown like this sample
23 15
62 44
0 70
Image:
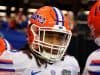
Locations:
66 72
38 17
35 72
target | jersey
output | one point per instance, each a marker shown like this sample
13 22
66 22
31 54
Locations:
92 66
67 67
18 63
13 63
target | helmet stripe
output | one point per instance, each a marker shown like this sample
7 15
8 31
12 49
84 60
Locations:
60 17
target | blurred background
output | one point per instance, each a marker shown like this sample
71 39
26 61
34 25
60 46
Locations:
25 5
14 15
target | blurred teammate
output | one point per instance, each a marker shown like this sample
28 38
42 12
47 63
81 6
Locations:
48 39
93 62
4 45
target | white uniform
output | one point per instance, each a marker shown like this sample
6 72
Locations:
93 64
17 63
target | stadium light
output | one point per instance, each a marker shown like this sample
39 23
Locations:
2 14
31 10
13 8
65 12
3 7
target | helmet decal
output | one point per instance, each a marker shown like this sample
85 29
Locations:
37 17
60 17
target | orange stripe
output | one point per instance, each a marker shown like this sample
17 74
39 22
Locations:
96 61
6 61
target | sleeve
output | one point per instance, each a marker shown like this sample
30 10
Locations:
6 64
72 65
89 59
76 67
14 63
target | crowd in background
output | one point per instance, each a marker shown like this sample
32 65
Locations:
14 21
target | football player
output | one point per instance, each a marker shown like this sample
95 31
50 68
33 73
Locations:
93 61
4 45
48 36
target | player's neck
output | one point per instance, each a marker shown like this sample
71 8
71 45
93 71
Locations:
41 62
